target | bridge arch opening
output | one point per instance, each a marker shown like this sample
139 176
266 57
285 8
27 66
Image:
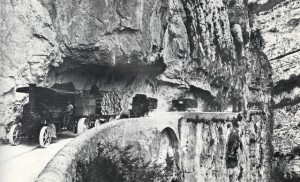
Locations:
169 153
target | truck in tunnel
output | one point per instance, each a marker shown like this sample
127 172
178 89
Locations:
184 104
142 105
93 108
43 115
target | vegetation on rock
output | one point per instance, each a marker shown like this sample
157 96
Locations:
117 164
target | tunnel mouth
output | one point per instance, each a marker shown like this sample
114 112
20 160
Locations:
70 65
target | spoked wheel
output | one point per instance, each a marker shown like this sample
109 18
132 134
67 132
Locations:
97 122
14 134
45 136
81 126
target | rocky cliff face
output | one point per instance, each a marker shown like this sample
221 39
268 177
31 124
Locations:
203 50
225 151
279 25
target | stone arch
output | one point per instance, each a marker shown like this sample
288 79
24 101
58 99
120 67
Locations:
170 133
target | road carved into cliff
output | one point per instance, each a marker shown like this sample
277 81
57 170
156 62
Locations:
25 162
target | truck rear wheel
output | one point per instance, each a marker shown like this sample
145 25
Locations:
45 136
81 126
97 122
111 118
14 134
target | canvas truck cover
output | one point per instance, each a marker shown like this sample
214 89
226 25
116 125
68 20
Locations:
85 104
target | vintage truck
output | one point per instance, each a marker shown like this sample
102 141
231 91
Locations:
42 117
142 105
184 104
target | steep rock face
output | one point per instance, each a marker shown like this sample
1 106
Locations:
226 151
28 47
279 25
202 45
199 49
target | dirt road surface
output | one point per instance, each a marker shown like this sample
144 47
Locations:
23 163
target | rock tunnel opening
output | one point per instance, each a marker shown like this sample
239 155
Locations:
97 69
217 103
126 80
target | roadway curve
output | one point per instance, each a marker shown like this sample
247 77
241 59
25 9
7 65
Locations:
23 163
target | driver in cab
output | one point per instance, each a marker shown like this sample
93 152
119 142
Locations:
68 115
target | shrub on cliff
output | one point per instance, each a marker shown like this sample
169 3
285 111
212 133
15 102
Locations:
116 164
279 172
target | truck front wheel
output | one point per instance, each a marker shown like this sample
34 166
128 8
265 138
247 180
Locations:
45 136
14 134
82 125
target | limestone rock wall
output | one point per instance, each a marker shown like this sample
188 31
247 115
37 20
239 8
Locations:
278 22
279 25
228 151
208 47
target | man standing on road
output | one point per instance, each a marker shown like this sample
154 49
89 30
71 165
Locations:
68 115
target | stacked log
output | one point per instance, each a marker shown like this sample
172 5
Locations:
108 103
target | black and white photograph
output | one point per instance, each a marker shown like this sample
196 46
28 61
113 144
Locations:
150 91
